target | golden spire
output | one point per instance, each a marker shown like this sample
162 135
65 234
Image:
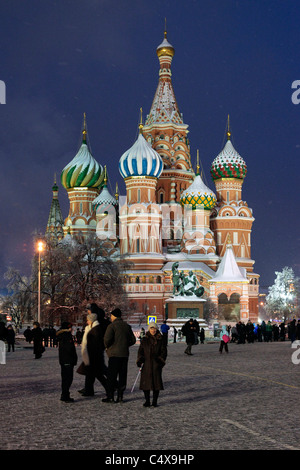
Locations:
228 129
141 121
165 49
198 165
84 132
105 176
117 192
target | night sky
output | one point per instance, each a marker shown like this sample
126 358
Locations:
60 59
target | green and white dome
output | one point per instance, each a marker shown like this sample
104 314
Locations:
83 170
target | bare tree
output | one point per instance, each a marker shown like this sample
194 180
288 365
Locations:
77 273
19 301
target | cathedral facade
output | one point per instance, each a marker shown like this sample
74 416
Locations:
168 214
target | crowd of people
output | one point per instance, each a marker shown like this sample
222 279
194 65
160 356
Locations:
113 338
264 332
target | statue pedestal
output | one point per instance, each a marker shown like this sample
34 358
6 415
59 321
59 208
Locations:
178 307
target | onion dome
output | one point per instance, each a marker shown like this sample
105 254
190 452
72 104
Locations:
165 48
83 170
105 198
229 163
141 160
198 194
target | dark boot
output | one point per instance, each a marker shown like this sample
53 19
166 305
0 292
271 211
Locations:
147 397
155 397
119 397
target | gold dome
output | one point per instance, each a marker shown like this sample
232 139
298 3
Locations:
165 48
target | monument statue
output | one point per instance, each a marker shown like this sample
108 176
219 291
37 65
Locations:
185 285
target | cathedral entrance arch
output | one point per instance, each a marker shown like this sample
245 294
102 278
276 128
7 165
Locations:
229 308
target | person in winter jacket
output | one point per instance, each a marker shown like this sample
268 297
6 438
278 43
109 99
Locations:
188 330
37 337
92 350
10 338
117 340
151 356
223 340
67 359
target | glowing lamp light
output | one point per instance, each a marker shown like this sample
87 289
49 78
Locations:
40 246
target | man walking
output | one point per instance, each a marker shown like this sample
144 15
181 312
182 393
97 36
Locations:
117 340
165 332
188 330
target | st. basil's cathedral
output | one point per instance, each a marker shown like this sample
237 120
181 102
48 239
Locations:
168 214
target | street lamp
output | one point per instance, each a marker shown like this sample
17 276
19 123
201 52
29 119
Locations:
40 248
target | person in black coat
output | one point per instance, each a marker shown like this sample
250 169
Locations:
37 337
118 338
3 331
202 335
67 359
152 354
189 330
28 335
282 331
96 367
10 338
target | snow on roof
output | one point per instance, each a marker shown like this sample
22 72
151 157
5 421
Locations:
228 269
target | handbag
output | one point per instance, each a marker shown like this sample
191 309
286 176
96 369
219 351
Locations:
226 338
82 369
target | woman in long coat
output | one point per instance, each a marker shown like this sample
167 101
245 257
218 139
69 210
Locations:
37 336
151 356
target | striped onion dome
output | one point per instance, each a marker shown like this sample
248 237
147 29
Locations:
229 163
140 160
198 194
83 170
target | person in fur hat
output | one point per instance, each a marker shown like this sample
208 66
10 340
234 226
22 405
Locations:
67 358
151 356
92 351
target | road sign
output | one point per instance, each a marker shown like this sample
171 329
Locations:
151 318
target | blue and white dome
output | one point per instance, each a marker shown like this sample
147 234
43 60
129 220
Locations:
141 160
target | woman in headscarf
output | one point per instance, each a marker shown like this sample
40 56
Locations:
151 356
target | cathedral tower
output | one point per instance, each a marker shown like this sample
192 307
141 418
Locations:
198 239
165 130
232 219
55 223
140 217
82 178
